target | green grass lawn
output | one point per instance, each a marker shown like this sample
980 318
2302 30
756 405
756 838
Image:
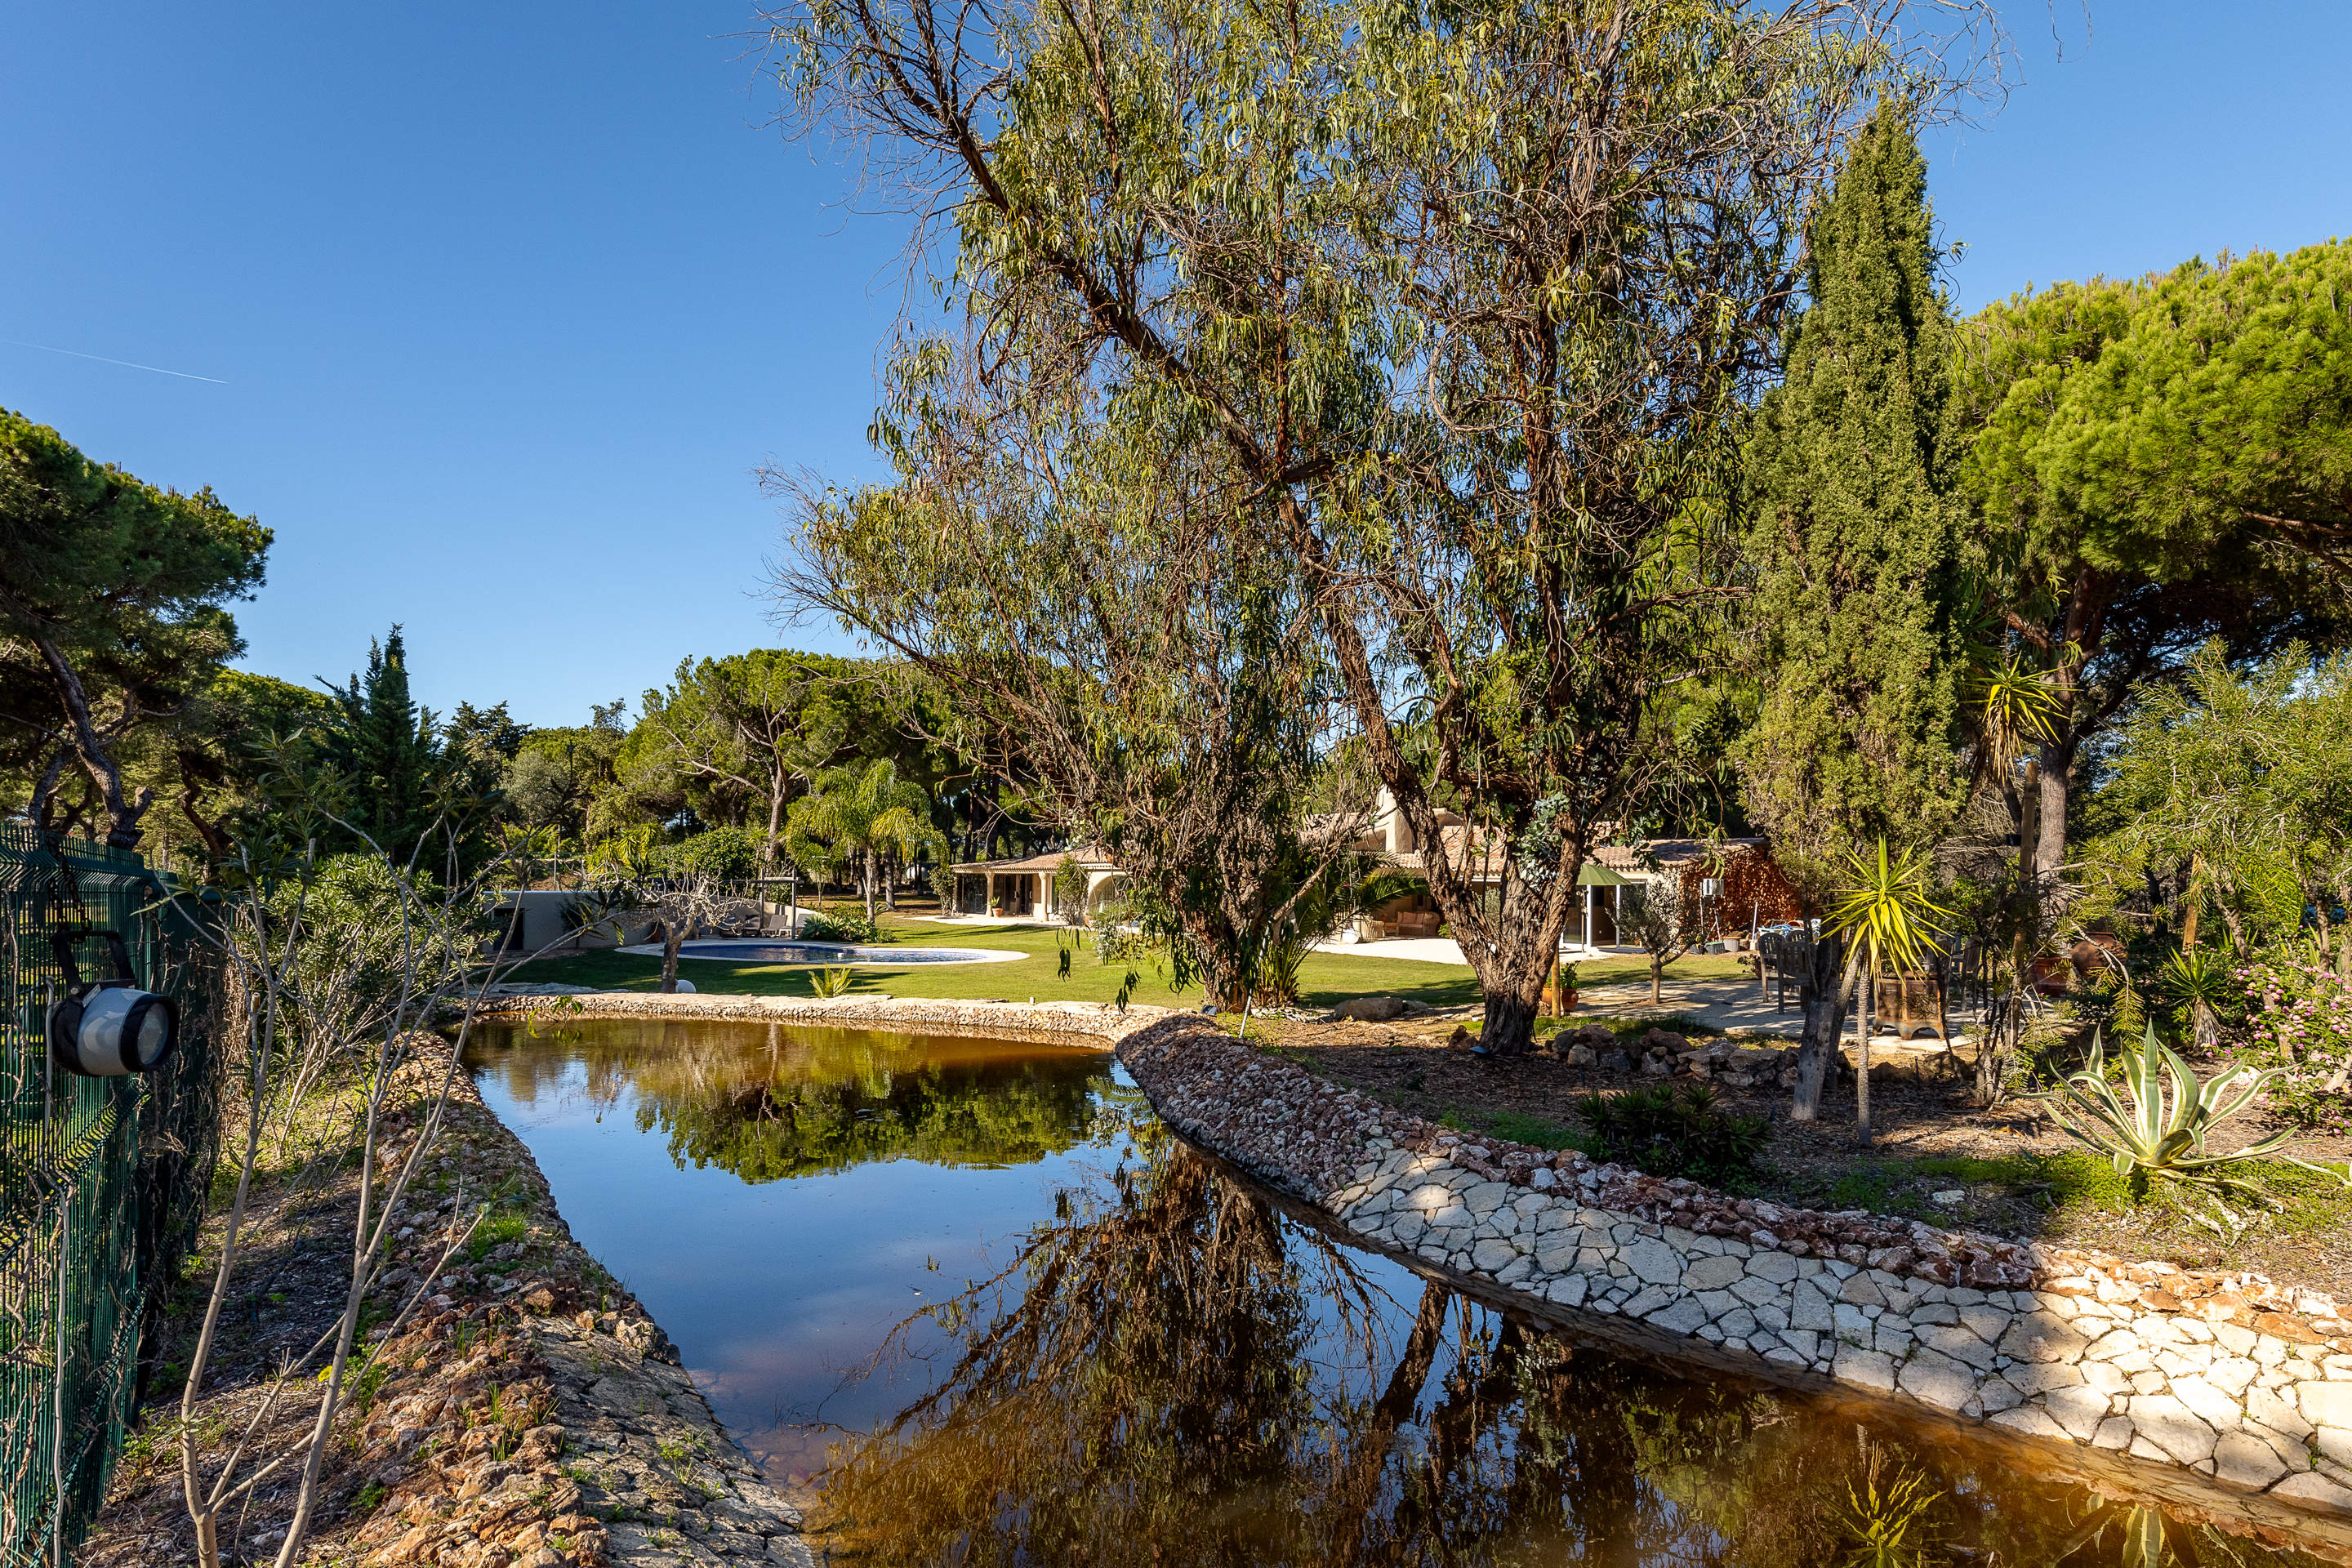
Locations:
1325 978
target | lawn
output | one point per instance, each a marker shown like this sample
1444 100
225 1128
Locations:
1325 978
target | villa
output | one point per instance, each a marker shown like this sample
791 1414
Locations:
1730 884
1023 888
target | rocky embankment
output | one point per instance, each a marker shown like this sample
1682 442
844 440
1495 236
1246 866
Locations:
2241 1381
527 1413
620 1463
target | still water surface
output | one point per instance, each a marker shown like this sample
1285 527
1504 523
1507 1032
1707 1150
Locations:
975 1295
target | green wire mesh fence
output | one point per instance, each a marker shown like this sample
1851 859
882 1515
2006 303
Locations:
102 1183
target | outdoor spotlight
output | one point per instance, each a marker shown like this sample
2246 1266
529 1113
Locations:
106 1028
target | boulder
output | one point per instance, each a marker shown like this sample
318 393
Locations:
1367 1010
1663 1042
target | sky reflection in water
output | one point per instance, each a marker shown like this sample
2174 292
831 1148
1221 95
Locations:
1081 1344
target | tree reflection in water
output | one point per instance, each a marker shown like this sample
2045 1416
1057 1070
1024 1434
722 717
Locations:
772 1104
1176 1373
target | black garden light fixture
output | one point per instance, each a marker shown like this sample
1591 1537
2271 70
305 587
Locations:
107 1028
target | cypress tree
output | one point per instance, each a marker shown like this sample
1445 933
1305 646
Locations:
1853 537
1854 546
387 748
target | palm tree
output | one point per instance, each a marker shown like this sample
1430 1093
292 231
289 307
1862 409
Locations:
2011 710
1890 915
855 815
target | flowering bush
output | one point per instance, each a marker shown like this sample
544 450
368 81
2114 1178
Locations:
2298 1018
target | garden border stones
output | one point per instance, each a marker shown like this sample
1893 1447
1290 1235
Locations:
2144 1371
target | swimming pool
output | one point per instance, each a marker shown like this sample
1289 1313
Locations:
753 950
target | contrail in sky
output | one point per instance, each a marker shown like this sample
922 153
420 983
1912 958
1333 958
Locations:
101 359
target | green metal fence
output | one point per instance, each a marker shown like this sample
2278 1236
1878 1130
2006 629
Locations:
102 1183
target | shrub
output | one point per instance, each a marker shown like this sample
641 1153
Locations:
837 925
1676 1131
2298 1022
723 854
830 982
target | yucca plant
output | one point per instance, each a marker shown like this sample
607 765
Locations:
1889 913
2203 985
830 982
2150 1134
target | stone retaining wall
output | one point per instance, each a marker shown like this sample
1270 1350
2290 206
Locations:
2229 1376
1095 1026
2246 1383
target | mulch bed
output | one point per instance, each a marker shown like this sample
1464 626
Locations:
1413 1066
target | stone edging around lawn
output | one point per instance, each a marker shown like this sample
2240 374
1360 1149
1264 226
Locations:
1098 1025
2244 1383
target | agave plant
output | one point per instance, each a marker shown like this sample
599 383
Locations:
830 982
2157 1127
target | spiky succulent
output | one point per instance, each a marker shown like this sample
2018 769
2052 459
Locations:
2156 1128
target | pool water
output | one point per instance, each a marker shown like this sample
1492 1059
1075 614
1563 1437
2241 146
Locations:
745 951
978 1302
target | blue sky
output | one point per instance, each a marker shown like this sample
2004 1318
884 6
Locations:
507 301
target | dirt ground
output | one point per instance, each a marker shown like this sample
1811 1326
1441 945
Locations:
1412 1064
461 1352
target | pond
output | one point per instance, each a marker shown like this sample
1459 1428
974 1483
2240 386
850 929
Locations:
980 1303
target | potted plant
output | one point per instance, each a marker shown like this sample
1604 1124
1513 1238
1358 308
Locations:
1560 991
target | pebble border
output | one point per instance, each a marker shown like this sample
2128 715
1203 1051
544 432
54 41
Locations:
2245 1383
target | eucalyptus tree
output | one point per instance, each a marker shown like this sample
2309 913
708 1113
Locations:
1465 301
1071 574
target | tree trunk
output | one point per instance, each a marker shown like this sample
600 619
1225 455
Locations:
868 870
780 785
2053 768
1823 997
673 938
1867 998
1508 1017
1657 978
2204 1024
123 812
1991 1023
45 790
216 838
1513 941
